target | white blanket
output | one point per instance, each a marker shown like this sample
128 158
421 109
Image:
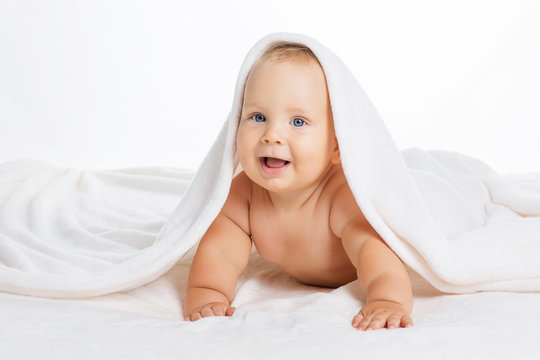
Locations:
456 222
276 318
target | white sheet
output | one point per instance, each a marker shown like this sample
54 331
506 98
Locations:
276 318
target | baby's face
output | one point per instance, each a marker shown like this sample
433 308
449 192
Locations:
285 138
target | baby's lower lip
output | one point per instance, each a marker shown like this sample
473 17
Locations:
272 170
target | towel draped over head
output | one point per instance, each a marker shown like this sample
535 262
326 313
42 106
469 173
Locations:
449 217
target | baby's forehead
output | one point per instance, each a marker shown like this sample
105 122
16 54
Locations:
264 69
271 79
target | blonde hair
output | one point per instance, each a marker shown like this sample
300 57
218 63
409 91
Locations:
288 51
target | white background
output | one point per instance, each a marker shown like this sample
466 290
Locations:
108 84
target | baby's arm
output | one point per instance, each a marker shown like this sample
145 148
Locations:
222 255
381 273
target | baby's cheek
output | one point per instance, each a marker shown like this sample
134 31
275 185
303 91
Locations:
248 166
242 160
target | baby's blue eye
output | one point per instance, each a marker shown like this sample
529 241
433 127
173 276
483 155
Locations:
298 122
258 117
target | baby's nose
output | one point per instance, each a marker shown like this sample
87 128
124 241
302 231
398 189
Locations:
272 136
272 140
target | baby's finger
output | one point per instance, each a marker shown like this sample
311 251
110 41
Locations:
393 321
206 311
357 320
377 322
406 321
230 311
218 310
366 320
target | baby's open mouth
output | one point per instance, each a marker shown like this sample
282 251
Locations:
274 163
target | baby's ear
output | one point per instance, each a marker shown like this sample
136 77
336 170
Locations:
336 158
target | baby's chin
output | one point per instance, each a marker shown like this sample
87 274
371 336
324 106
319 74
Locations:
278 184
282 186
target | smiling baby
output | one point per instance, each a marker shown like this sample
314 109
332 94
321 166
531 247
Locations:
293 203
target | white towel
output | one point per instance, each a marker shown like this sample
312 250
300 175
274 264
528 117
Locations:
450 217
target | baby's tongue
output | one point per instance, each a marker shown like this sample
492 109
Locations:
275 163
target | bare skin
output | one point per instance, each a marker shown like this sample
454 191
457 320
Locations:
298 209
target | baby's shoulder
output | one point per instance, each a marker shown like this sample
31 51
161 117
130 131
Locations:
236 206
240 190
343 204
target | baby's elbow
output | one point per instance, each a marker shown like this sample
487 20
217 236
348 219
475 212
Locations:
373 259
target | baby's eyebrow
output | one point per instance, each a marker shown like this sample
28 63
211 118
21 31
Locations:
250 105
296 110
290 108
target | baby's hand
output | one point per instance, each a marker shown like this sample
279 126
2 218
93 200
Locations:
378 314
212 309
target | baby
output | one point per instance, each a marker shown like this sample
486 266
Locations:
293 203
